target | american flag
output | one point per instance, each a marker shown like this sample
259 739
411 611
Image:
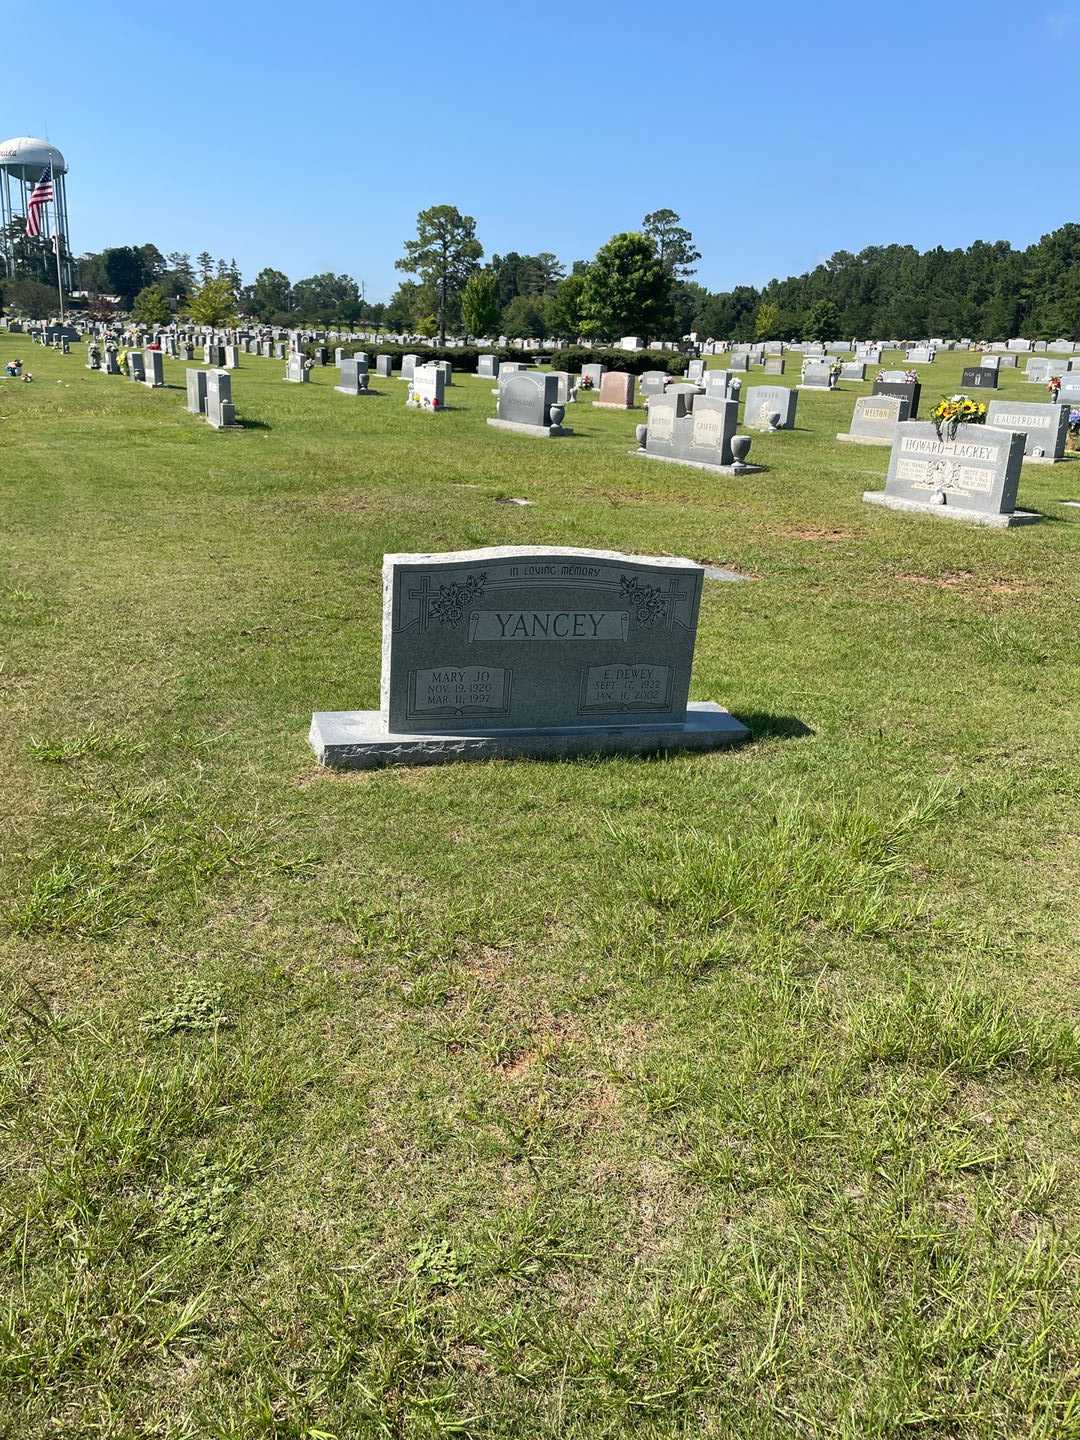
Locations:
39 198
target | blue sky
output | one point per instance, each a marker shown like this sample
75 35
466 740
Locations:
308 136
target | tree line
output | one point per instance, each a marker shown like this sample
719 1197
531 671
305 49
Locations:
638 283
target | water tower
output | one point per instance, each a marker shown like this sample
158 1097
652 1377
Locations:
22 161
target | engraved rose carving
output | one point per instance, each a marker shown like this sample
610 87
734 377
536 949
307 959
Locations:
647 600
449 606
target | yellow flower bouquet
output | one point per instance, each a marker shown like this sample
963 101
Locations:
954 410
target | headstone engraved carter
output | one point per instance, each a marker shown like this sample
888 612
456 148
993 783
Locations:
530 651
972 476
694 430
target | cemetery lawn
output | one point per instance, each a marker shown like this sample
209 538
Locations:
726 1095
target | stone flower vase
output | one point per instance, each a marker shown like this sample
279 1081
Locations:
740 448
557 414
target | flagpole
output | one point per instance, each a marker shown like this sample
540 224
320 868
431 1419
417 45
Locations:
56 245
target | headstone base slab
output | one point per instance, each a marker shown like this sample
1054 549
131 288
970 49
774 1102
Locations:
847 439
542 432
607 405
359 740
701 464
1047 459
951 512
344 390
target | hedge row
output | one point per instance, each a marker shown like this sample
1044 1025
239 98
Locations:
464 358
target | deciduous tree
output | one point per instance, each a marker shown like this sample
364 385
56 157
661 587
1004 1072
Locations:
626 289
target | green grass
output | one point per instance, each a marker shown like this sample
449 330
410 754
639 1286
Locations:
729 1095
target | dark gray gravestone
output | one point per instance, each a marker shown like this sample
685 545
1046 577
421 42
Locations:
530 651
525 401
136 367
384 366
910 391
1045 427
765 400
973 476
980 377
487 367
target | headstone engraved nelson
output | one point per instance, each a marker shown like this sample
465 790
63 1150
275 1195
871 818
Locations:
530 650
972 476
875 419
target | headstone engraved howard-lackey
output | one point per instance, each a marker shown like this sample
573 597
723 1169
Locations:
530 651
972 475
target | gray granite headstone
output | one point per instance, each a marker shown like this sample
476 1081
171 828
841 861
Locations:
153 369
875 419
593 372
525 403
296 371
219 406
384 366
1045 427
136 365
700 436
487 367
818 375
1070 389
196 391
408 365
765 400
354 376
774 365
853 370
652 382
530 651
973 476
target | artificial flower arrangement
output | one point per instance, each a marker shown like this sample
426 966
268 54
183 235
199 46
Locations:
421 402
954 410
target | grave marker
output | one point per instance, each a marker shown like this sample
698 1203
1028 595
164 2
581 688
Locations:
1045 427
530 651
875 419
973 476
